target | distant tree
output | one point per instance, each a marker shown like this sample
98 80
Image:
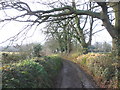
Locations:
102 47
107 12
61 32
98 46
50 46
10 49
36 50
106 47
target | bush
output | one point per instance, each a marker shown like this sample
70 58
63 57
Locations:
34 73
52 65
37 48
26 74
102 66
12 58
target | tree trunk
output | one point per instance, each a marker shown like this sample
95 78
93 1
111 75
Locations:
116 53
116 39
85 48
114 31
116 47
80 33
61 48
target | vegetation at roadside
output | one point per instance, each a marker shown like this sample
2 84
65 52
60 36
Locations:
102 67
70 26
31 73
11 57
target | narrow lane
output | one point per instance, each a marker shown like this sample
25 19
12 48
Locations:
71 76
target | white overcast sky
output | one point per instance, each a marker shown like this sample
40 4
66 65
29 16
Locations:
10 29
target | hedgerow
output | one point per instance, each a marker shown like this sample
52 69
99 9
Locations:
103 68
31 73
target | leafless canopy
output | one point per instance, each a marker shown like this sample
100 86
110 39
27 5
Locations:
26 14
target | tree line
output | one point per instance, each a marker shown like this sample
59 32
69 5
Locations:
68 20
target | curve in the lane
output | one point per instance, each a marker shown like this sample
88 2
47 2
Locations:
71 76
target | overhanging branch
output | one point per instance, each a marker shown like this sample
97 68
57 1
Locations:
45 15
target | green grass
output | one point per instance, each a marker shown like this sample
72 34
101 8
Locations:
33 73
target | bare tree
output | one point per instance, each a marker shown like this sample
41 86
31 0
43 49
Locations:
69 11
61 31
72 27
